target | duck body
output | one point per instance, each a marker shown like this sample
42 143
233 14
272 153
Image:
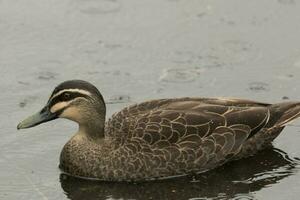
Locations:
173 137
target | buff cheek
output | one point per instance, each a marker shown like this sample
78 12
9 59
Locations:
71 113
58 106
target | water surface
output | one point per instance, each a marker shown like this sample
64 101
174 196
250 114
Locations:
139 50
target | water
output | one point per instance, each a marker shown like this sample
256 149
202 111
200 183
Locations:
138 50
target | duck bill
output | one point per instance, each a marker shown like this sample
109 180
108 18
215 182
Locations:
43 116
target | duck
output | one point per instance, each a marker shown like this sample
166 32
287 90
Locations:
161 138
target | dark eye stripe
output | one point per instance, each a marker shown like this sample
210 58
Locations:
61 97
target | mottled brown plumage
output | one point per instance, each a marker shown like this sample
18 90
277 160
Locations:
173 137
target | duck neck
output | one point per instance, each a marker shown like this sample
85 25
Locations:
93 125
93 131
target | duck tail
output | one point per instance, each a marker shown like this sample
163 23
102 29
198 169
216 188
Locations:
284 113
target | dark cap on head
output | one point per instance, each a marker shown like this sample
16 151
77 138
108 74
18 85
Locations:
77 84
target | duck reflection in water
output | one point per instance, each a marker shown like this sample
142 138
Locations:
235 179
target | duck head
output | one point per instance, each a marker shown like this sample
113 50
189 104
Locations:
75 100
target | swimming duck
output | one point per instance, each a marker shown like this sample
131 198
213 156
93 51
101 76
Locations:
160 138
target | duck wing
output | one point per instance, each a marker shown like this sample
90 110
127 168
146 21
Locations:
216 124
186 125
174 119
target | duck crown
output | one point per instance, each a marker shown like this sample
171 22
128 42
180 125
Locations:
76 87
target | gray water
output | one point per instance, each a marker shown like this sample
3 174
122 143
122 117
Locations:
136 50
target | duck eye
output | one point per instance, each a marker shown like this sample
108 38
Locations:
67 96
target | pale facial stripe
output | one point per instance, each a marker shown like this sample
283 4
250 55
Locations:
61 105
58 106
71 90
